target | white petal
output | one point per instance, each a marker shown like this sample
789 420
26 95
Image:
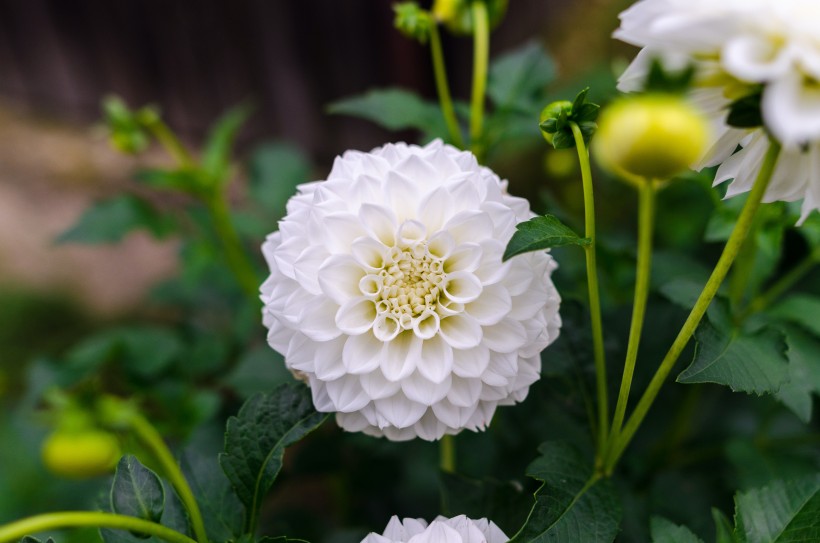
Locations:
461 287
318 320
328 359
440 245
791 109
380 221
756 58
424 391
305 267
400 411
491 270
400 356
466 257
452 415
362 353
356 316
411 232
464 392
402 196
435 208
461 331
426 325
377 387
340 230
492 306
347 394
468 226
435 360
438 532
505 337
339 278
471 362
370 253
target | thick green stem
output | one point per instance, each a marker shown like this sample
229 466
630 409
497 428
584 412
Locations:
784 283
730 251
594 295
646 221
170 142
481 54
447 454
149 437
443 89
14 531
237 258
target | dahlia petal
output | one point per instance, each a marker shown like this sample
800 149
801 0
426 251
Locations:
752 57
492 269
400 355
377 386
505 337
453 415
791 109
402 196
465 258
464 392
466 226
317 320
399 411
470 363
435 208
462 287
339 278
461 331
305 267
370 253
328 359
435 359
340 229
347 394
492 306
356 316
441 245
380 221
362 353
424 391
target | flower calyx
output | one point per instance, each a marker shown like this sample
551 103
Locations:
556 120
127 126
457 15
413 21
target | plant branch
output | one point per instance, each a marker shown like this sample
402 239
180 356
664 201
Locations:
14 531
447 454
783 284
481 54
443 89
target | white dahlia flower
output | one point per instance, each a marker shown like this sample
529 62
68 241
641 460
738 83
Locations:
738 45
458 529
388 295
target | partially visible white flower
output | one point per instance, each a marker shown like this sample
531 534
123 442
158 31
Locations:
458 529
736 45
388 295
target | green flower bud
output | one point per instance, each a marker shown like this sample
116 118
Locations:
81 454
457 15
652 136
412 21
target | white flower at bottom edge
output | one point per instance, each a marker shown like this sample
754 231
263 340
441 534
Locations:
458 529
388 295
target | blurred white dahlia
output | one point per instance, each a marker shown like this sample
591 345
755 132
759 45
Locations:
388 295
458 529
738 46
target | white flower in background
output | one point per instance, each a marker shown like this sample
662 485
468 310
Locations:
458 529
388 295
738 45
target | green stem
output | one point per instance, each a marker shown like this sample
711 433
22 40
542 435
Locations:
447 454
741 273
14 531
149 436
481 54
646 220
238 261
594 295
443 88
783 284
166 137
730 251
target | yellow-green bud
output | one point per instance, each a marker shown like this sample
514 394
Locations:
653 136
83 454
553 111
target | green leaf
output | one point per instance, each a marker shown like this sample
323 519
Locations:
255 441
747 362
800 309
275 170
222 512
724 532
137 491
517 79
394 109
216 156
804 372
504 502
32 539
784 511
258 370
109 221
541 233
566 510
664 531
187 180
279 539
174 516
745 112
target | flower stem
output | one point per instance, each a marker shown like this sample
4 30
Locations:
481 53
646 220
14 531
443 89
730 251
149 436
783 284
594 295
447 454
166 137
237 258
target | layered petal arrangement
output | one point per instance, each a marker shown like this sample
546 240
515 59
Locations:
738 46
388 295
458 529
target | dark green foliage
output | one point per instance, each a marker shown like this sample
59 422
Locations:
541 233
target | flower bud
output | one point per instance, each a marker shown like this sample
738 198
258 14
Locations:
82 454
553 115
457 15
653 136
412 21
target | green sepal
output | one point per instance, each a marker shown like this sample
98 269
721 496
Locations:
556 118
413 21
540 233
661 80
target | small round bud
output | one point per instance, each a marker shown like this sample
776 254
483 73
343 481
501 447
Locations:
457 15
412 21
653 136
80 455
552 116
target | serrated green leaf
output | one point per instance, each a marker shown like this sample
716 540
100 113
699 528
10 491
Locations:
109 221
541 233
137 491
275 170
800 309
256 438
724 532
746 362
784 511
174 516
516 79
394 109
804 373
222 512
567 508
216 155
504 502
665 531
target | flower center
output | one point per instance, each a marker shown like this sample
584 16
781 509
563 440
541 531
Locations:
410 282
